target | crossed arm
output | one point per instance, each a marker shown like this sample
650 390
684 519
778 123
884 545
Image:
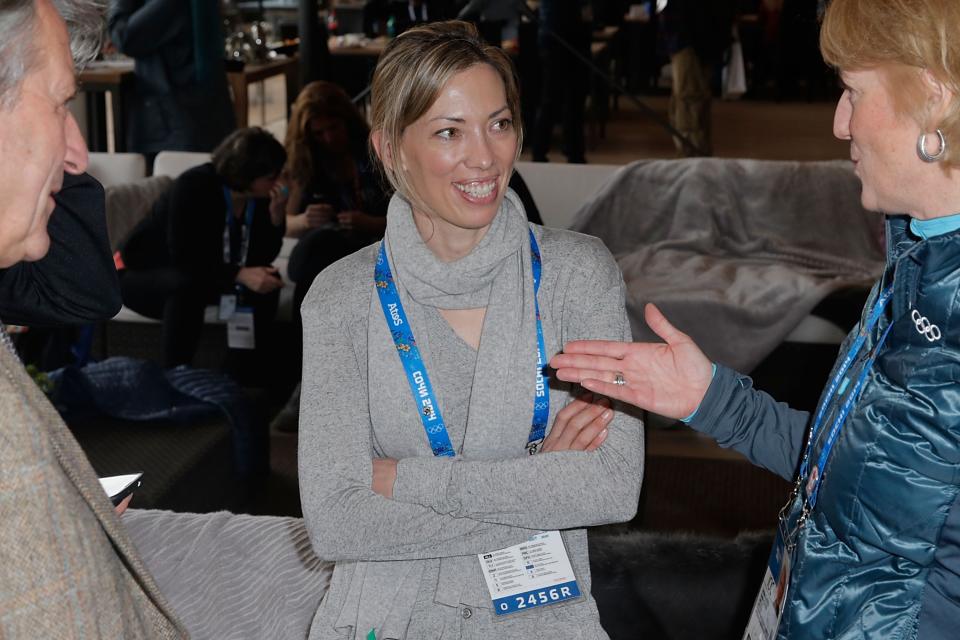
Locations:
445 507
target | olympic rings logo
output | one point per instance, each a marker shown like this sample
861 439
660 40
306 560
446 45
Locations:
929 331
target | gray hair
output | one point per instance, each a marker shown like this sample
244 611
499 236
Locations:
85 25
18 52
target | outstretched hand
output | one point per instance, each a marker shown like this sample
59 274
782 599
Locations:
668 378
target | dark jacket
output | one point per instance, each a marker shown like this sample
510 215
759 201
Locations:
402 20
180 100
76 281
703 25
880 554
185 230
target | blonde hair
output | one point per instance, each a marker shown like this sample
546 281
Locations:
413 70
327 100
901 38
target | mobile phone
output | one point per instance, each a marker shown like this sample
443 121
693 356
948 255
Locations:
318 197
119 487
321 198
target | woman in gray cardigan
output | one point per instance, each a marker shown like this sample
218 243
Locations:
424 399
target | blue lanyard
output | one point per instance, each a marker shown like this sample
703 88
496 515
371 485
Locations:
845 408
245 231
419 380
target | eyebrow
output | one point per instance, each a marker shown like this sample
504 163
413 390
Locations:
462 120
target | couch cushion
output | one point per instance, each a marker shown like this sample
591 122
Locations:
128 204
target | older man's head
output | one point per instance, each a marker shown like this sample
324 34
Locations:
39 138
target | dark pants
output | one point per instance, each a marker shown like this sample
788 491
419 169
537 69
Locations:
178 299
563 90
317 250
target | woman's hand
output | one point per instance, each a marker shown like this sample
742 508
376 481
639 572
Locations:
580 426
360 221
315 215
384 476
259 279
669 379
279 195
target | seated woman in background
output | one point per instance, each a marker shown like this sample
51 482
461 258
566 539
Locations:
337 203
210 239
428 432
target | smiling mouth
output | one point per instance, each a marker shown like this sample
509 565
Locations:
478 189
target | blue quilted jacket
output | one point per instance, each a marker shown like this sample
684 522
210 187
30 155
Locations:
879 556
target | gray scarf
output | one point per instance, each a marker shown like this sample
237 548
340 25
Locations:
496 275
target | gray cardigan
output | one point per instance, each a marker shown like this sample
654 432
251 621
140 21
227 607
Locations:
444 510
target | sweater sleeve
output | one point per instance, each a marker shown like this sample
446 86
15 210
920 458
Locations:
555 490
76 281
346 519
769 433
267 237
195 227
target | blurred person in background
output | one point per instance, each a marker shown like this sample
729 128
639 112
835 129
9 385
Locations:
210 240
180 99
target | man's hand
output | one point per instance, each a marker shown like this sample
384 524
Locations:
669 379
384 476
259 279
120 508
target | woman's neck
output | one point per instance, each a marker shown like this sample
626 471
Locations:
937 194
448 242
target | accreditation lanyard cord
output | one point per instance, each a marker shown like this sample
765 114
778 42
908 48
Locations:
419 380
245 230
847 406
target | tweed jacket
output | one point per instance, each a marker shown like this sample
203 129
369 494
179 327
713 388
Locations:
67 567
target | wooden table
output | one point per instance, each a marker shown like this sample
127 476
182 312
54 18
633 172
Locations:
240 81
370 48
354 64
97 80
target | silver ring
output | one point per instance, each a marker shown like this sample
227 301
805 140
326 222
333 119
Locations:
618 379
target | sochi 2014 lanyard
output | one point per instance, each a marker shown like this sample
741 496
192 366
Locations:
245 231
838 385
420 386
